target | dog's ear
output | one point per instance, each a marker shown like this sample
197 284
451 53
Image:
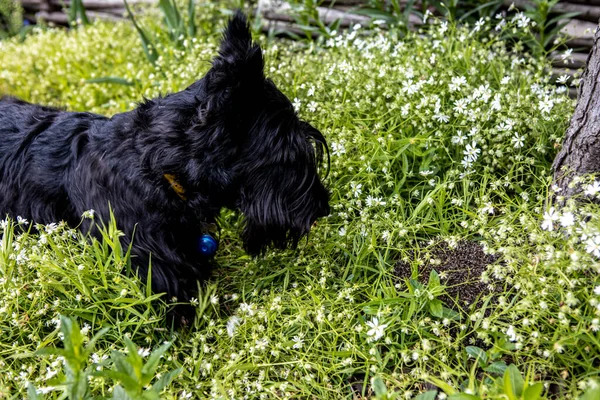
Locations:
237 54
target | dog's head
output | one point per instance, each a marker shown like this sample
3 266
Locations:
273 156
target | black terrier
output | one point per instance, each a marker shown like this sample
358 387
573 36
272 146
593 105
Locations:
167 168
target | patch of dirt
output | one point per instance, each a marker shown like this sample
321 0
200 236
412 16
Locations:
459 267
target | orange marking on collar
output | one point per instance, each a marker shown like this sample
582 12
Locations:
175 185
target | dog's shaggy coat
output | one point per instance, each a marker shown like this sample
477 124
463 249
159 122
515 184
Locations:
166 169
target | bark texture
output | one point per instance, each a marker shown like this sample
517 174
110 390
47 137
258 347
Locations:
580 152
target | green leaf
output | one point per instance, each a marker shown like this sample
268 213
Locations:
166 379
379 386
429 395
375 13
434 279
436 308
533 392
192 18
498 367
120 394
449 390
111 79
172 17
94 339
513 382
477 353
463 396
147 45
150 366
32 393
565 16
592 393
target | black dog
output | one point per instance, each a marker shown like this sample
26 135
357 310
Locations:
166 169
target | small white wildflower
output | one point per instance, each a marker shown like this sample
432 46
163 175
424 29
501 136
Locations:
592 245
518 141
232 325
298 342
511 333
144 352
549 217
376 330
471 151
567 219
592 189
89 214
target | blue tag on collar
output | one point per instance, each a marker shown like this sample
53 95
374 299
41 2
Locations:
207 245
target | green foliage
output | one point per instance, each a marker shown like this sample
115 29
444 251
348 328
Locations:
547 25
129 369
77 14
11 18
446 134
179 28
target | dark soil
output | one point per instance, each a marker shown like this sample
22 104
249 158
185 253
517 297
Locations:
460 270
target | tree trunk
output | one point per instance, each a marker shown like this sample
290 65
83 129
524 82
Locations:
580 152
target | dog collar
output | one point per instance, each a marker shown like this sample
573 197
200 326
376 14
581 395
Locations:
176 186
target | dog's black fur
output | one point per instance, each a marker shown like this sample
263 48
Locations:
231 139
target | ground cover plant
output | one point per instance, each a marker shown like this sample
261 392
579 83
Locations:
441 146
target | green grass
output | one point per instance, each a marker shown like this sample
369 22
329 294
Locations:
446 136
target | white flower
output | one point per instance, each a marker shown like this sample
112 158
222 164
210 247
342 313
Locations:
375 201
457 82
592 245
522 20
512 335
478 25
297 103
460 106
517 141
143 352
546 105
466 163
376 330
356 189
471 151
298 341
566 55
549 217
567 219
426 16
562 79
338 149
89 214
249 309
459 138
232 325
597 290
443 27
592 188
441 118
